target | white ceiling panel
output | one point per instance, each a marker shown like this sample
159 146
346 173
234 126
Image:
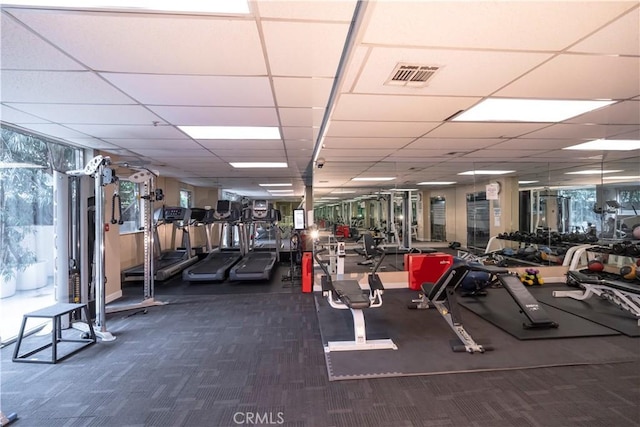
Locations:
336 157
299 133
452 144
96 144
530 144
242 145
399 108
356 153
238 91
156 144
304 49
365 129
91 114
23 50
626 112
258 155
494 25
619 38
453 76
484 130
55 131
499 154
581 131
365 143
302 92
335 10
165 45
11 115
217 116
58 87
580 77
421 154
352 71
298 145
129 132
175 153
301 116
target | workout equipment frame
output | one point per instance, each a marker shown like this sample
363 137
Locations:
623 295
347 295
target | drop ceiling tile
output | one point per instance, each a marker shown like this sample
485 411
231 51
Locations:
59 87
365 143
581 131
453 144
55 131
453 77
532 144
296 117
364 129
156 144
173 153
399 108
514 155
617 38
494 25
625 112
217 116
483 130
128 131
336 10
23 50
356 153
93 143
11 115
299 133
90 114
302 92
163 44
241 145
247 155
176 90
304 49
579 77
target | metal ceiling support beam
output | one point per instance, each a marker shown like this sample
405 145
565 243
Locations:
350 42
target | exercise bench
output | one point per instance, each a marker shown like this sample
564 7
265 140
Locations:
55 313
348 295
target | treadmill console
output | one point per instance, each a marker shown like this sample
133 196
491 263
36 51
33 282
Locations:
176 213
198 214
226 210
209 216
260 210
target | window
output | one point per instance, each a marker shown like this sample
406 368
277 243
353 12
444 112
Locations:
185 198
131 210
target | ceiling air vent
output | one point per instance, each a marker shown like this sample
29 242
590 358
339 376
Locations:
411 75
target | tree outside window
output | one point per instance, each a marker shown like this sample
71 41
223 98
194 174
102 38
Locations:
131 211
185 198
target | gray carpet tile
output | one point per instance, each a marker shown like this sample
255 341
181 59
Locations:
203 360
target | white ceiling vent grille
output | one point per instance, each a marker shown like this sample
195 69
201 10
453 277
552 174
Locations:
414 75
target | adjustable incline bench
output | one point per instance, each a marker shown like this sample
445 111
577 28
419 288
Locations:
625 295
347 294
442 295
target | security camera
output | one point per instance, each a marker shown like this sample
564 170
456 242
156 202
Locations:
320 163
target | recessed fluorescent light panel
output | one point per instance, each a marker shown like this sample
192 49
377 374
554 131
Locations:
382 178
527 182
528 110
280 191
486 172
403 189
436 183
258 164
592 172
343 192
608 144
275 185
231 132
197 6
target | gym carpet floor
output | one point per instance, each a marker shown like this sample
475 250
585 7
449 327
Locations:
220 360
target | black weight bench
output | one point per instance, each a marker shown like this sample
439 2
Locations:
625 295
55 313
347 294
442 295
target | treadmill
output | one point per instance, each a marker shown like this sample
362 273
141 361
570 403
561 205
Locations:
216 265
257 265
170 262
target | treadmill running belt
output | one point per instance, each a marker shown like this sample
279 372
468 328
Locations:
214 263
